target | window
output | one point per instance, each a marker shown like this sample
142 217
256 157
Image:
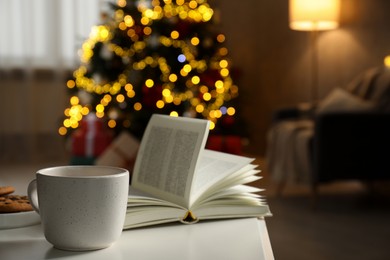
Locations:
45 33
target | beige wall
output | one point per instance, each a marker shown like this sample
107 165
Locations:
31 108
275 61
31 101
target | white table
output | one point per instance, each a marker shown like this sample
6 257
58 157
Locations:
236 239
223 239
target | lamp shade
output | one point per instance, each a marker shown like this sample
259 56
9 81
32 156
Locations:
310 15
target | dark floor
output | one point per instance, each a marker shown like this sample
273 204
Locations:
344 226
348 222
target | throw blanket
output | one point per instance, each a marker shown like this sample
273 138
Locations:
288 154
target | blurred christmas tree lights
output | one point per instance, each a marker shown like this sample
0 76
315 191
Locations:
158 56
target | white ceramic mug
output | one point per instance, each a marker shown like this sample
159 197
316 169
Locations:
81 207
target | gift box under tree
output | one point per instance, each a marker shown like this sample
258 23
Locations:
122 152
225 143
90 140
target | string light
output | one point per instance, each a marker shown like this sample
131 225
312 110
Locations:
205 99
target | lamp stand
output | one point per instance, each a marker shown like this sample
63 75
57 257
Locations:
314 65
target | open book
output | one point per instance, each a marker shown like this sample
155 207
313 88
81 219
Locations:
176 179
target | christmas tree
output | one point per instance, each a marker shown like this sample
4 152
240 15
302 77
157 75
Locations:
153 56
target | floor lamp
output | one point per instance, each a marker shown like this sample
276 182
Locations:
314 16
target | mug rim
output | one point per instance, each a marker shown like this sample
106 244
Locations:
69 169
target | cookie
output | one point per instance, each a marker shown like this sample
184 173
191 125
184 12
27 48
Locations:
4 190
14 203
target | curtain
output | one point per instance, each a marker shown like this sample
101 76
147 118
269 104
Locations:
45 33
39 43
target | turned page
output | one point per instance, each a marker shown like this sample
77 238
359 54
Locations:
167 157
213 168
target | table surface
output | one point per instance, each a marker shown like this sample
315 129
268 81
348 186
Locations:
221 239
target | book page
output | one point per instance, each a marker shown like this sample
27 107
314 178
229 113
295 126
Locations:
213 168
167 157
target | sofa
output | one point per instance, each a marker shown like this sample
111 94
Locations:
345 136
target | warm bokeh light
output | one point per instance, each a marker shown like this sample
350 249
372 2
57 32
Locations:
70 84
137 106
111 123
387 61
212 125
174 114
62 130
149 83
120 98
201 85
174 34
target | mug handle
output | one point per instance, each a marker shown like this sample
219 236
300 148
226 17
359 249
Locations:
33 195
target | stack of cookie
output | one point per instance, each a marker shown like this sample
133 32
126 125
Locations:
10 203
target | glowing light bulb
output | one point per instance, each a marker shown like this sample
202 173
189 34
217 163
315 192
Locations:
62 130
199 108
231 111
206 96
223 63
173 77
74 100
111 123
221 38
122 3
212 125
149 83
195 41
129 21
174 35
181 58
160 104
137 106
70 84
387 61
195 80
166 92
223 110
99 108
187 68
224 72
174 114
120 98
